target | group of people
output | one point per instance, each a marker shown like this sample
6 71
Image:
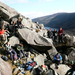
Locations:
55 35
18 51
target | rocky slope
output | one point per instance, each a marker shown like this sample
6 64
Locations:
36 43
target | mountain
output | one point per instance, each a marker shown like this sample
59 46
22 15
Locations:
64 20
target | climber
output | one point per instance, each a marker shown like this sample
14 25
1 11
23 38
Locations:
20 50
57 59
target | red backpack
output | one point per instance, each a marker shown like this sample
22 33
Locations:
15 57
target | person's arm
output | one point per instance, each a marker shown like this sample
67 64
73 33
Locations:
60 57
55 57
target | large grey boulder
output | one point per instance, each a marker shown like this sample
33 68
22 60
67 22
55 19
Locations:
69 40
51 53
34 39
14 40
39 59
27 22
62 69
7 12
5 69
71 54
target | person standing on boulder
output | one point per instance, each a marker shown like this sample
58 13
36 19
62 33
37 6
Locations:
57 59
60 35
50 33
55 34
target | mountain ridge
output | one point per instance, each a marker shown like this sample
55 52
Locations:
64 20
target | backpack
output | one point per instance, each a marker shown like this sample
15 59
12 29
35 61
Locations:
15 57
5 58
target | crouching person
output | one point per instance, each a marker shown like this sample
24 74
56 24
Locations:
10 51
57 59
20 50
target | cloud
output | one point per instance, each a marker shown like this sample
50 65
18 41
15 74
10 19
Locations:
34 14
14 1
45 0
61 11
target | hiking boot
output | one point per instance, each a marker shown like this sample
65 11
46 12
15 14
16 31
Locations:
57 67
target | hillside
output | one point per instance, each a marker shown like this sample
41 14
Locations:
64 20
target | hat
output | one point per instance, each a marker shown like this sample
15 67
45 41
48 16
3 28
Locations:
71 62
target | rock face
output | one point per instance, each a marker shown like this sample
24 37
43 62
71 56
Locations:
70 40
14 40
71 54
34 39
6 12
51 53
5 69
41 61
62 69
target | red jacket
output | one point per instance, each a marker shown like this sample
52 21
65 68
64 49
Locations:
60 32
2 32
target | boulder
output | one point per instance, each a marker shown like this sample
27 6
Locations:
26 22
71 54
39 59
34 39
51 53
62 69
4 13
64 58
13 41
50 72
7 12
5 69
43 32
69 40
41 26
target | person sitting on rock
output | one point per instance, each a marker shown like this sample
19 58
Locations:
72 66
20 25
20 50
57 59
9 50
2 35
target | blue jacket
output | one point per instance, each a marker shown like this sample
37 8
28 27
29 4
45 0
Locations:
55 57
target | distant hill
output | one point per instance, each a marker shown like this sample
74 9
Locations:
64 20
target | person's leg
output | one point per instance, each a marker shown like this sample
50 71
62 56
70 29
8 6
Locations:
59 39
68 71
20 54
55 63
14 52
23 52
10 54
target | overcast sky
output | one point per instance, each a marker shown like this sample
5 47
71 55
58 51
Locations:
38 8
